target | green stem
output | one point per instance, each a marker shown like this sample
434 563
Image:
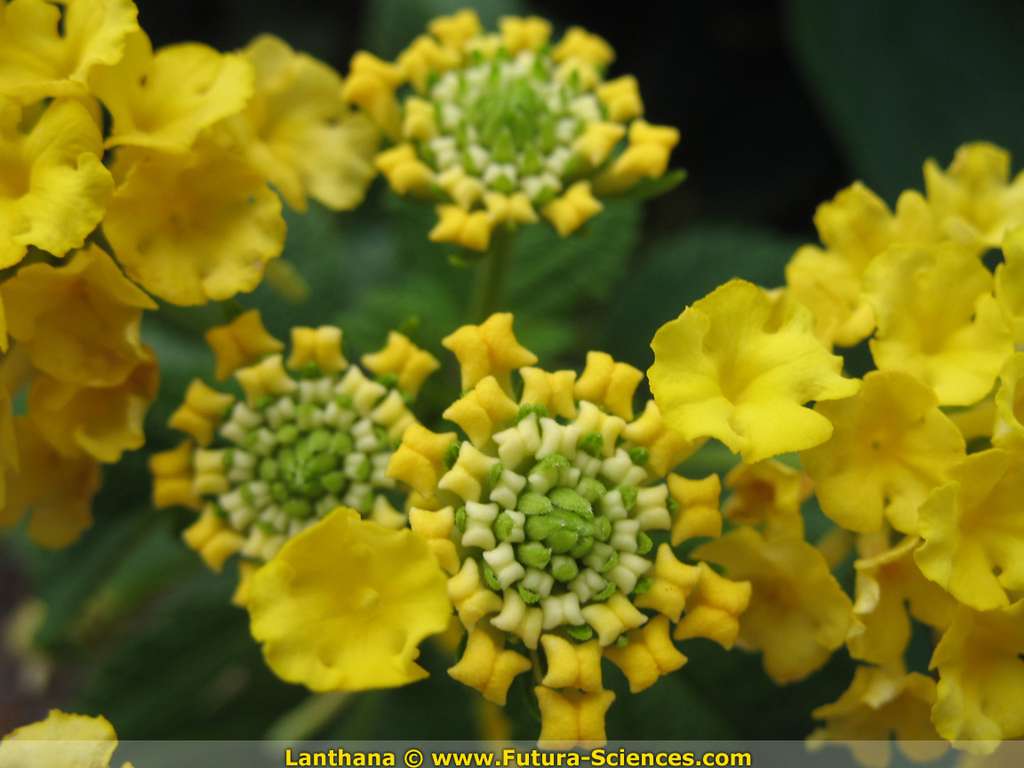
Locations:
490 275
310 717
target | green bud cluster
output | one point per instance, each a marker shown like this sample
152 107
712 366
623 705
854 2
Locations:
510 122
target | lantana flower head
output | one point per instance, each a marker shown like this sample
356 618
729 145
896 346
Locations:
505 127
550 511
311 434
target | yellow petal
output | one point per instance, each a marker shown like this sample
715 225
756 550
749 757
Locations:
568 718
648 655
487 666
571 664
76 741
736 367
345 604
241 342
488 349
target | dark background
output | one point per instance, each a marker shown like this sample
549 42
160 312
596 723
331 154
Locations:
780 105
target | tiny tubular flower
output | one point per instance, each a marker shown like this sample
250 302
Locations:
213 539
891 446
737 366
501 126
792 588
572 665
714 608
547 509
569 718
311 435
488 666
938 320
345 604
202 412
573 209
767 493
648 655
61 739
400 358
880 705
974 199
973 533
172 477
240 343
699 513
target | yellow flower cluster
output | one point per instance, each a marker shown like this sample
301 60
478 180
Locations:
313 433
499 127
921 461
177 185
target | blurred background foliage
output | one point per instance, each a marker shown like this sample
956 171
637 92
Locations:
780 104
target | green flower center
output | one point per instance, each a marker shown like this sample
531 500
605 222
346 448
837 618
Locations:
511 123
291 459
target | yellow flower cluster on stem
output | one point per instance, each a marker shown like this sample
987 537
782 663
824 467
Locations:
176 196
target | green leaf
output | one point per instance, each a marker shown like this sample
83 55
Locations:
900 82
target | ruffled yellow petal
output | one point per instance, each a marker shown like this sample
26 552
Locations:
55 491
698 514
880 705
768 493
75 741
714 608
488 349
648 655
102 422
568 718
241 342
739 368
172 477
44 52
981 675
79 322
419 460
404 360
609 384
573 209
371 85
487 666
937 320
974 199
194 227
973 531
344 605
317 346
54 188
1009 281
300 133
201 412
798 614
666 449
890 588
890 447
485 410
571 664
163 100
1007 428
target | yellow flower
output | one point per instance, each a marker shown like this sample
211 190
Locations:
891 446
488 349
61 741
299 132
880 705
172 478
371 85
454 30
580 44
645 157
46 52
568 718
345 604
736 367
890 588
79 321
409 364
666 449
648 655
609 384
621 97
768 493
974 199
973 531
573 209
854 227
1007 429
194 227
523 33
937 320
981 675
419 460
240 343
1009 281
54 491
102 422
53 185
487 666
714 608
572 665
798 614
458 226
214 541
163 100
699 513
